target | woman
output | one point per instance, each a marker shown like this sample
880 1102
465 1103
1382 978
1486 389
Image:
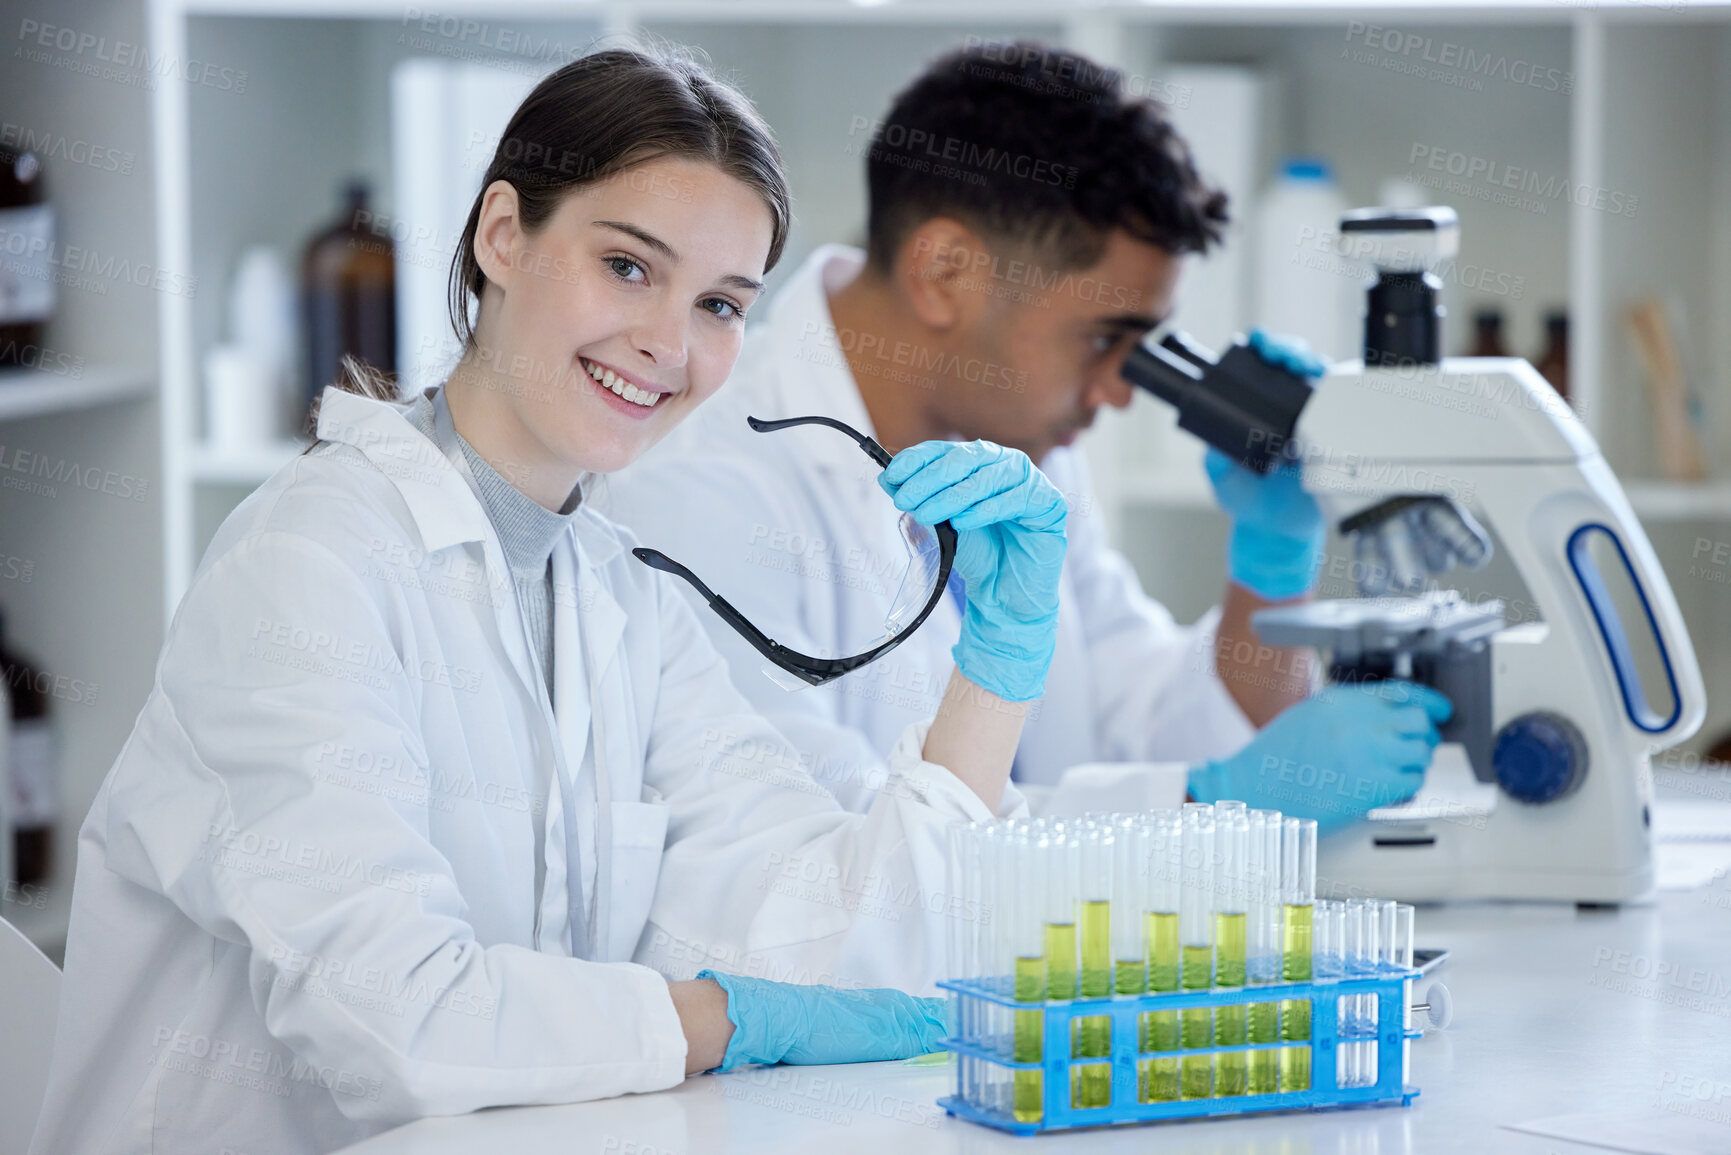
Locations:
427 742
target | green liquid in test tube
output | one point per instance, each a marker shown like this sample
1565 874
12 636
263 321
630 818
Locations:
1032 855
1030 1043
1196 933
1231 902
1091 1036
1298 881
1092 1039
1231 1024
1158 1031
1061 961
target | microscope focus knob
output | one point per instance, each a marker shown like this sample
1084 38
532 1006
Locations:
1539 757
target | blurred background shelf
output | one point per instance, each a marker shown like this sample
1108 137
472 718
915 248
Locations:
1680 500
38 393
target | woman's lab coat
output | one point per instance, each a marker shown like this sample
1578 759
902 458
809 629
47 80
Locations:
793 529
311 892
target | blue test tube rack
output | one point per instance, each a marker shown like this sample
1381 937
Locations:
1390 1089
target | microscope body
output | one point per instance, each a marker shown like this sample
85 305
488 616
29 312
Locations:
1405 451
1572 722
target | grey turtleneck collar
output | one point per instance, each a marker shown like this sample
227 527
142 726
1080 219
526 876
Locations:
527 530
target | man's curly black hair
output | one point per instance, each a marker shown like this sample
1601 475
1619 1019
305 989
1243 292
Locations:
1036 145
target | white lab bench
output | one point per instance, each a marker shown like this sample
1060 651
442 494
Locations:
1556 1012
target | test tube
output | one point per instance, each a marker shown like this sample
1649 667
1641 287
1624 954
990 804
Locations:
1063 886
1029 853
1091 1035
962 882
1328 940
1403 932
1231 916
1130 896
1159 1030
1132 846
1357 937
1262 964
1298 898
1196 932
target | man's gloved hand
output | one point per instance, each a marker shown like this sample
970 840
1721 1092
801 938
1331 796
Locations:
790 1023
1334 757
1009 521
1277 532
1289 353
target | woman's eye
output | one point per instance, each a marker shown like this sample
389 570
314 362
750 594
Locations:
1104 342
624 267
723 308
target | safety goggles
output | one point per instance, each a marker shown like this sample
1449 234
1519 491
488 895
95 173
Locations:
930 553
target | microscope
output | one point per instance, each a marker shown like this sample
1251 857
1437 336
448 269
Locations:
1411 457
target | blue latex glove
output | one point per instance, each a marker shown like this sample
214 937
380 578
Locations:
1276 545
792 1023
1335 756
1289 353
1009 522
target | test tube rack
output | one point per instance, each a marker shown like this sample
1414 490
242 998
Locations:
1388 984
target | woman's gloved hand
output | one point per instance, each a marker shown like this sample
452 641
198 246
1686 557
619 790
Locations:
1277 533
1334 757
790 1023
1009 521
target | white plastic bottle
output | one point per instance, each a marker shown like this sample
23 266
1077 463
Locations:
1304 286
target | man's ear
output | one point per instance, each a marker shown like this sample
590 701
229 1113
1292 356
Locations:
498 233
939 270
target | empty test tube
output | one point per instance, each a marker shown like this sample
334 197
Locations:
1298 898
1357 935
1262 961
963 880
1196 932
1231 919
1159 1030
1403 932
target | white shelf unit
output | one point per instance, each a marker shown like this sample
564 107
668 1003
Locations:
81 511
39 393
1650 111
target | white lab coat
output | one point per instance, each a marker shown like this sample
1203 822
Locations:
792 528
311 897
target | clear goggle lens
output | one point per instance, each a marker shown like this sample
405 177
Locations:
905 583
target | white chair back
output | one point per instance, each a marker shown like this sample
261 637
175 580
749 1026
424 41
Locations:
29 1005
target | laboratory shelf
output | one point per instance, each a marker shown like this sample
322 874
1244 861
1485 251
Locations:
1680 500
252 465
38 393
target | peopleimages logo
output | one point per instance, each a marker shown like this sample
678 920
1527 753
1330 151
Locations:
1483 178
1460 65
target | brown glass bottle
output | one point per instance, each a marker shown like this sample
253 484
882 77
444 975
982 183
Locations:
27 273
1488 334
34 783
1553 363
349 295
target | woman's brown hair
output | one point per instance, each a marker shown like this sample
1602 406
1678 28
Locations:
589 121
605 113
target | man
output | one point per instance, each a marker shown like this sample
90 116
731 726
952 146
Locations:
1027 224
